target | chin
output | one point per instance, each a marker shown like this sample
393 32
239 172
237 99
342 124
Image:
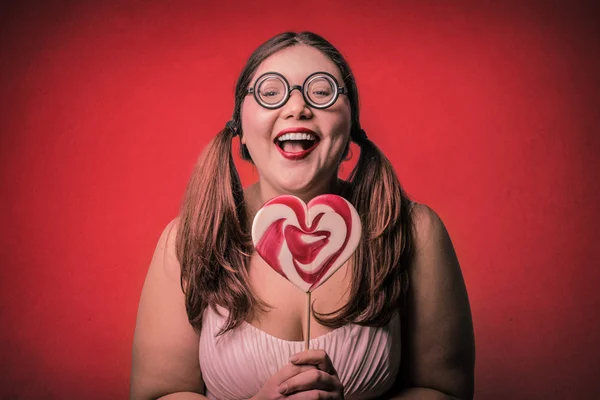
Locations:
295 188
302 186
298 181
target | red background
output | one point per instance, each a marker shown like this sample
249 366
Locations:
489 112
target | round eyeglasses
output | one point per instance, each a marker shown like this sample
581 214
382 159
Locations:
320 90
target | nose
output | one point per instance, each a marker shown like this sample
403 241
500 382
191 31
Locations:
296 107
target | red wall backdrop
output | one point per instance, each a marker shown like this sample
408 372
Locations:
489 112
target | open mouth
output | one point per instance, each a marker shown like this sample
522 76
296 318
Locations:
295 145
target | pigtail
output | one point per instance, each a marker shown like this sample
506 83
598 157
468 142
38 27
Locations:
380 280
213 242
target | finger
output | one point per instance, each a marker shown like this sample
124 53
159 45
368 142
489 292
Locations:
290 370
314 394
310 380
316 357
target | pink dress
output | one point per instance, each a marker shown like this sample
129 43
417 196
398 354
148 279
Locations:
236 365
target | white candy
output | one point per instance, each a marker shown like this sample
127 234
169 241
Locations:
306 244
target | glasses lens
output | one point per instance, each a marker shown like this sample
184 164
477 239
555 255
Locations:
271 90
321 90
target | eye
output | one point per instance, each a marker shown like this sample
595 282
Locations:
323 92
269 92
320 88
271 89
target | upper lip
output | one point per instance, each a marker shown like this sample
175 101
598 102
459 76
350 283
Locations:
299 130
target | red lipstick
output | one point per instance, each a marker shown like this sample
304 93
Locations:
300 154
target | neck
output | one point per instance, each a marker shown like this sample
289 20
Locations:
329 186
261 192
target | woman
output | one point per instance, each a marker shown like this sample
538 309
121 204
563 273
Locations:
215 320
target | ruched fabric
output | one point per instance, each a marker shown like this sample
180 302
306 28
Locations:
236 365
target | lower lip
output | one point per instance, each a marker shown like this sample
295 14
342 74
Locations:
299 155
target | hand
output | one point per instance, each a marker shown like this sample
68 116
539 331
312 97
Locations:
271 390
319 383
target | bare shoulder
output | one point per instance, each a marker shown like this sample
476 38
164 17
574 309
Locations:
438 340
165 355
434 251
427 224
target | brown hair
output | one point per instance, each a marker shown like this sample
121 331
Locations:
214 242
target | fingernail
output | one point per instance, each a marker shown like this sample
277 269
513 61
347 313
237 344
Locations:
294 359
283 388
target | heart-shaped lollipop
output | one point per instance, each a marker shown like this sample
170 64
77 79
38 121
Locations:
304 243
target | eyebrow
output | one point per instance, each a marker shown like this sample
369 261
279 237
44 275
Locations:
257 75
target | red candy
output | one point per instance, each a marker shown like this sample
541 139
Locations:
306 244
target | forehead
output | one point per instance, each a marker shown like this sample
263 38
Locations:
298 62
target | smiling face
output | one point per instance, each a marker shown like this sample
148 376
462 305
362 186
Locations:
297 149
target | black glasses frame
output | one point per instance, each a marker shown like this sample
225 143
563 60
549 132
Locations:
337 90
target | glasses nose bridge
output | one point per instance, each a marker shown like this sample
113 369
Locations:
300 89
294 87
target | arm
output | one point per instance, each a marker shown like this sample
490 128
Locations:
438 345
165 346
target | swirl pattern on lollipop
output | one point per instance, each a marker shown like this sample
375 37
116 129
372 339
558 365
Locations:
304 243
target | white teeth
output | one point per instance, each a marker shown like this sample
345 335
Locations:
297 136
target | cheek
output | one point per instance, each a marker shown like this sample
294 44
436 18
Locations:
341 122
342 113
256 120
